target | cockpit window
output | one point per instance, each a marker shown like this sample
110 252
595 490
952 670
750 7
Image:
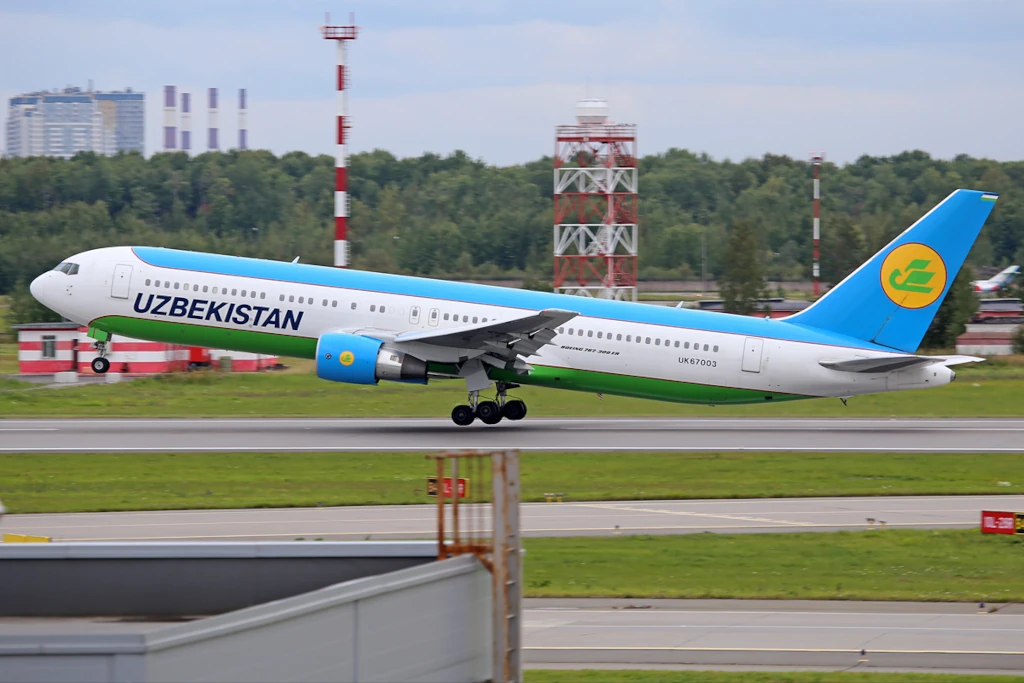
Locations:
73 270
67 268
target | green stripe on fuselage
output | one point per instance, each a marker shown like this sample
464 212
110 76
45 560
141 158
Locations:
211 337
556 378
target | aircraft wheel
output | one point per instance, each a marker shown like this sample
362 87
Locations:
488 412
514 410
463 415
100 365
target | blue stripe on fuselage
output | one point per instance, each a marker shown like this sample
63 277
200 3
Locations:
465 292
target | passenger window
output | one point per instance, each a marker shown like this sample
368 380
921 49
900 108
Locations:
334 304
291 298
657 342
648 341
353 305
715 349
147 283
214 290
686 345
325 302
302 299
590 333
474 319
252 294
185 287
445 316
156 283
465 318
195 288
373 307
175 285
243 292
705 347
618 337
579 332
281 297
234 292
629 337
206 288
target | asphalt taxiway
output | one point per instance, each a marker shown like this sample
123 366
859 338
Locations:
575 434
579 518
768 633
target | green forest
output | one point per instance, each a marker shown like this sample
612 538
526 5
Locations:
457 217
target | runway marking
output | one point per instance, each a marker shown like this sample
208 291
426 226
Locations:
771 627
685 513
590 648
491 447
432 532
924 615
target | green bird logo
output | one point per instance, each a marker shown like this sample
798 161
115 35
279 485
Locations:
916 278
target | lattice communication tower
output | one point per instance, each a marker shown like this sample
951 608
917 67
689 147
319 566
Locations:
596 205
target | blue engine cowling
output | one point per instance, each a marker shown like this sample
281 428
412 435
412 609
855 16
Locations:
355 359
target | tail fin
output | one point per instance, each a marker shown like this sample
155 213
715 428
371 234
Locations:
892 298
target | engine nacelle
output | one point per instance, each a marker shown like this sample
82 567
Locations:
355 359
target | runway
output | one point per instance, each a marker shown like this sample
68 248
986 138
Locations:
765 633
576 434
778 515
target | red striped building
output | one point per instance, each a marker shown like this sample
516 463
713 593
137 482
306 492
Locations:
46 348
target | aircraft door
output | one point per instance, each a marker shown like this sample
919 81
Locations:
752 349
435 314
122 279
414 315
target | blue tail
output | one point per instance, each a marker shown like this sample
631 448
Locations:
891 299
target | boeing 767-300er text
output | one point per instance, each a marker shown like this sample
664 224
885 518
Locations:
361 327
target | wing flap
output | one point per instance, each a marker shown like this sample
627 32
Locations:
528 331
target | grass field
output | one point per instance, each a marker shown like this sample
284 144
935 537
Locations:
961 565
94 482
626 676
209 394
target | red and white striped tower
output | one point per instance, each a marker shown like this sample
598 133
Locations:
596 205
170 118
816 159
341 34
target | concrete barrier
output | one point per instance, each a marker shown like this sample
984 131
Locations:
69 377
112 377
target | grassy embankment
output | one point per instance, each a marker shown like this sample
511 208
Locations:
995 390
663 676
957 565
150 481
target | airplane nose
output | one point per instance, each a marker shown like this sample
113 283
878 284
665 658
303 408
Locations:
36 288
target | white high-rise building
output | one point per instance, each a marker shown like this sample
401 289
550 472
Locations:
66 122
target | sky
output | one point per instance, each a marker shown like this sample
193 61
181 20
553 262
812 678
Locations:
732 78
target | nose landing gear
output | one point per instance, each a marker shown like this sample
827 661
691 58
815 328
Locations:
490 412
100 364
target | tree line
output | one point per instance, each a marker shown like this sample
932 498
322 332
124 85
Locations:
454 216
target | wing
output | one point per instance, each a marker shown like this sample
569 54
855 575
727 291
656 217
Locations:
499 343
894 362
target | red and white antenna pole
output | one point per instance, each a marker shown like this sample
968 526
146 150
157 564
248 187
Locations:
341 34
816 159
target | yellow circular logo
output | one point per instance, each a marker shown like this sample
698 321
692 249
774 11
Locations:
913 275
347 358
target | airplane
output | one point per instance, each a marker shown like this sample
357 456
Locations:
998 282
363 327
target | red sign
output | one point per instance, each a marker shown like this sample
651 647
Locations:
446 487
998 522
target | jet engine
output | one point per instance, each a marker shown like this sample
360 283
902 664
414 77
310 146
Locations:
356 359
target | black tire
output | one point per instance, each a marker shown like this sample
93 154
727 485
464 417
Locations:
100 365
463 415
514 410
488 412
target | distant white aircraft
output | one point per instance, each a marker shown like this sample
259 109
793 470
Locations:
361 327
998 282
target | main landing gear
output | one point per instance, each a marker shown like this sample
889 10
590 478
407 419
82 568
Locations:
100 364
490 412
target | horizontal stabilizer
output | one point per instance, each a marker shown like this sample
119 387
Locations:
882 364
